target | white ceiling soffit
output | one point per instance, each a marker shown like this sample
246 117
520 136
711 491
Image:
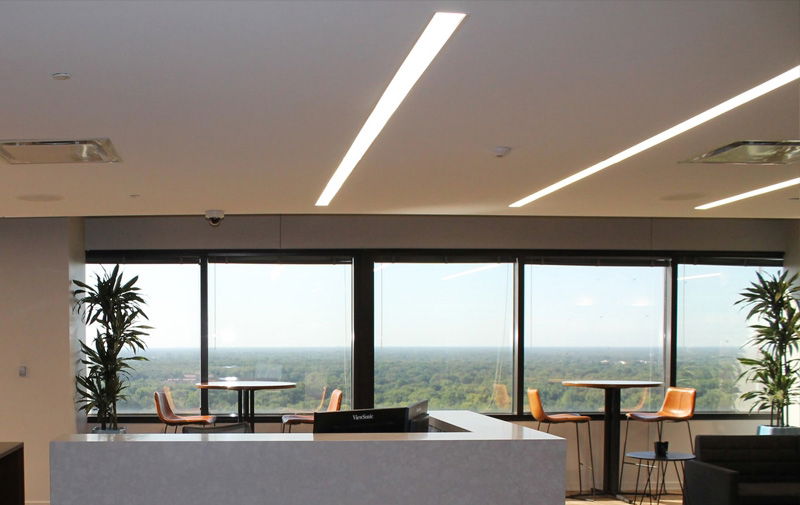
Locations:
250 106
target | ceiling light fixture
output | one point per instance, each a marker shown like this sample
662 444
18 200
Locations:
750 194
741 99
436 34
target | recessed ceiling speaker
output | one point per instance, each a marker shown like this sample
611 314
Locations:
99 150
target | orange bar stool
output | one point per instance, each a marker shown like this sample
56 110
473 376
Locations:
678 407
334 404
542 417
170 418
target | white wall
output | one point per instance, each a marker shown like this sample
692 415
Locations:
38 257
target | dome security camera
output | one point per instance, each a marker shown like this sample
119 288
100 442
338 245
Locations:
215 217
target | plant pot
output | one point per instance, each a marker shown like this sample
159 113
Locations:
97 431
764 429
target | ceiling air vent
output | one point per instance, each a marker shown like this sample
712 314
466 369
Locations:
753 152
58 151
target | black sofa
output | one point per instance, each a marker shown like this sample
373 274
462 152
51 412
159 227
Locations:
744 470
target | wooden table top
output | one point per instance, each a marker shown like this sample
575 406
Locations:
242 385
612 384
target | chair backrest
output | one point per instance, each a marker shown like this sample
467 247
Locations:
336 401
163 409
645 395
535 402
679 403
170 400
322 399
223 428
501 397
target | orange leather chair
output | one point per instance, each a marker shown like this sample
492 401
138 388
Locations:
678 407
500 397
537 410
334 404
170 418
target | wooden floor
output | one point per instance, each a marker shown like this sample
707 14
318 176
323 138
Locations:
670 499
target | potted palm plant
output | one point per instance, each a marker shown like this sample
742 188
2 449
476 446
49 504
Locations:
773 304
114 308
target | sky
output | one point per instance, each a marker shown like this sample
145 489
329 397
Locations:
454 304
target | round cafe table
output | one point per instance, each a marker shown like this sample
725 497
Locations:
611 424
246 391
659 466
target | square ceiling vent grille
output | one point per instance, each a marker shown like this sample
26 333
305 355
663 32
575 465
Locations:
58 151
753 152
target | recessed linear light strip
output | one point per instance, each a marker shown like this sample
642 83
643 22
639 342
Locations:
751 94
750 194
436 34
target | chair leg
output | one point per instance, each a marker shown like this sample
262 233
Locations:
165 427
578 447
624 449
691 439
660 427
538 425
591 455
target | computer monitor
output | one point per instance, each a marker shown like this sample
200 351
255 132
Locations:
382 420
386 420
418 417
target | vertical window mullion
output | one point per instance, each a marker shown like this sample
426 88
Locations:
363 332
519 338
204 332
671 342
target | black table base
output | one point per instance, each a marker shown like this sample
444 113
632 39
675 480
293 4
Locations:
611 442
247 408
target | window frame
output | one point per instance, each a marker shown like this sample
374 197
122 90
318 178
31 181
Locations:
363 366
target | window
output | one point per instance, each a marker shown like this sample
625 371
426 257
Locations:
172 296
593 322
286 322
444 333
713 332
444 328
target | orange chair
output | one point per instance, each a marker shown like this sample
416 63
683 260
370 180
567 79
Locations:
500 397
170 418
678 407
334 404
540 415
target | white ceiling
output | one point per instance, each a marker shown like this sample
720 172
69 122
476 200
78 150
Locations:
250 106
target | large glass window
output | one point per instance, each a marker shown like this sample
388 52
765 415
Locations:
172 296
593 322
713 332
443 330
444 333
285 322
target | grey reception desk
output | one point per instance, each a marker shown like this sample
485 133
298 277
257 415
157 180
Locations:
480 460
